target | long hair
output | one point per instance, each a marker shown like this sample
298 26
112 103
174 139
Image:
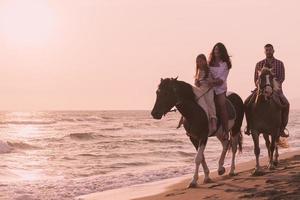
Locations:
223 55
205 66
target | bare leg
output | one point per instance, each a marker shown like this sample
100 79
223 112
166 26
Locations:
198 161
221 100
234 150
221 169
213 125
255 137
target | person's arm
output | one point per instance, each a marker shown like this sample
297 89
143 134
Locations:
280 73
197 83
256 74
215 82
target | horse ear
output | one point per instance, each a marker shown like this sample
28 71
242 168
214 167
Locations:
176 78
273 72
161 79
259 72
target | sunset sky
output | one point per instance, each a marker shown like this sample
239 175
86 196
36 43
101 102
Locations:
111 54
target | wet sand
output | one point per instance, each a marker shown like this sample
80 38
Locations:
281 183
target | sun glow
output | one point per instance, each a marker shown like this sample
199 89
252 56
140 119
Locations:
29 22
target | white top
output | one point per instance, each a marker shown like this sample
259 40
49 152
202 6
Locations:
220 72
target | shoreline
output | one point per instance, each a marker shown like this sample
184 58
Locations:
176 188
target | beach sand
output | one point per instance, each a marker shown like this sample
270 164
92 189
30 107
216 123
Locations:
281 183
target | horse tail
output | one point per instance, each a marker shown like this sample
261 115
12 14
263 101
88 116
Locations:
240 142
230 143
282 142
238 104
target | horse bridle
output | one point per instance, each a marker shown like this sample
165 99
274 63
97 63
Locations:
262 90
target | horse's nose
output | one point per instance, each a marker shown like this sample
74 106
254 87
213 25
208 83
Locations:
268 90
156 115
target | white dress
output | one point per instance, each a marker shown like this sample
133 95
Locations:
205 96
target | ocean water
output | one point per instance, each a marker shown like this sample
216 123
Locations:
64 154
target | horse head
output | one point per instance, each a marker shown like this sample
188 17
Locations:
166 97
267 82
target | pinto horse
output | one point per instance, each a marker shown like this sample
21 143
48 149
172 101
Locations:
172 92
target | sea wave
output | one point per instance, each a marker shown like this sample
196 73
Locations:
22 145
23 122
127 164
81 136
150 154
8 147
111 129
88 155
4 147
162 140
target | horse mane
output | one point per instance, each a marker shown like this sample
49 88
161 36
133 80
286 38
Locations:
185 90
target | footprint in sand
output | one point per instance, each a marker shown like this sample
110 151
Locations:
174 194
216 185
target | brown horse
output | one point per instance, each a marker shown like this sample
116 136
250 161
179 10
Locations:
264 113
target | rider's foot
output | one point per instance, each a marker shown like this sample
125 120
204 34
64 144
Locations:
213 125
284 134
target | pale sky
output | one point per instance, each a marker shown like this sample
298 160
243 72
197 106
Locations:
111 54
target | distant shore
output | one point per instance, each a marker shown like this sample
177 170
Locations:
282 183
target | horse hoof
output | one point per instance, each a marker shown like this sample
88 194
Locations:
257 172
221 171
233 174
208 180
271 167
192 185
275 163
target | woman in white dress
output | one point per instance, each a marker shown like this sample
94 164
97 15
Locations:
202 82
204 92
219 65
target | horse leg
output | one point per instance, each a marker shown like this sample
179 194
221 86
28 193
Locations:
225 143
206 171
276 155
198 160
234 145
272 148
255 137
267 140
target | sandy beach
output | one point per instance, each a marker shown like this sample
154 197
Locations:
282 183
